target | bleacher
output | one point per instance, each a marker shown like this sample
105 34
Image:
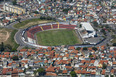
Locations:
55 26
32 31
46 27
30 35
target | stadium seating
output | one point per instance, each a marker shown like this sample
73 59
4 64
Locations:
32 31
46 27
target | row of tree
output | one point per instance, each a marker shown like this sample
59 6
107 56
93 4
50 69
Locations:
85 48
47 18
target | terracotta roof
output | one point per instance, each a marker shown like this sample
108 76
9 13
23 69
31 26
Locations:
78 71
103 72
112 71
92 61
15 71
64 71
93 73
49 48
51 74
114 62
23 50
93 67
6 53
50 69
68 67
24 61
71 47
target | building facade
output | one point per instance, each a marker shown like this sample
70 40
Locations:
14 9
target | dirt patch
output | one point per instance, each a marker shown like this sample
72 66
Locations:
4 35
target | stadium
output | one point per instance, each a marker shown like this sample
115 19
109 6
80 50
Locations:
29 35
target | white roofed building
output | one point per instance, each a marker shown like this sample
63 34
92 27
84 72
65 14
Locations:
90 32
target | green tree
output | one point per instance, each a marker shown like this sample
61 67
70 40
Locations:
2 47
19 20
95 23
8 47
85 48
41 71
73 74
14 2
80 26
90 56
15 58
111 75
78 48
36 12
94 48
13 50
66 10
104 66
114 44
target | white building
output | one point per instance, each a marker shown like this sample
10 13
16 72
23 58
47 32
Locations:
90 32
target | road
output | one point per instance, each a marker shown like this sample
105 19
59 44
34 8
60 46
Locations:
107 40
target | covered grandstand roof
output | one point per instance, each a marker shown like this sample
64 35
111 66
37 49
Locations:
87 26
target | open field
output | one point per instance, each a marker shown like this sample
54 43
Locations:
30 22
58 37
7 36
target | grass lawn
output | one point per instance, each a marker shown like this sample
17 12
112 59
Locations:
58 37
30 22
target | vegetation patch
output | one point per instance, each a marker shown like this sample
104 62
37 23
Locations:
11 40
58 37
114 39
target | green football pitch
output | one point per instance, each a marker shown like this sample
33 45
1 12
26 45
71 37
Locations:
58 37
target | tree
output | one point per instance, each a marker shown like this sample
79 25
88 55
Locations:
66 10
94 48
14 2
104 66
19 20
95 23
73 74
15 58
41 71
90 56
80 26
2 46
13 50
111 75
78 48
36 12
114 44
8 47
85 48
103 31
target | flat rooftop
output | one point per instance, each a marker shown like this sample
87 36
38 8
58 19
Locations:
87 26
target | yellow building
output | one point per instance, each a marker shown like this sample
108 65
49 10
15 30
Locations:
14 9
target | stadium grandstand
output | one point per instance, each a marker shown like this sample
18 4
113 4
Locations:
30 32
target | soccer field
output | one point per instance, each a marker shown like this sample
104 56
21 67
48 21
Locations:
58 37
